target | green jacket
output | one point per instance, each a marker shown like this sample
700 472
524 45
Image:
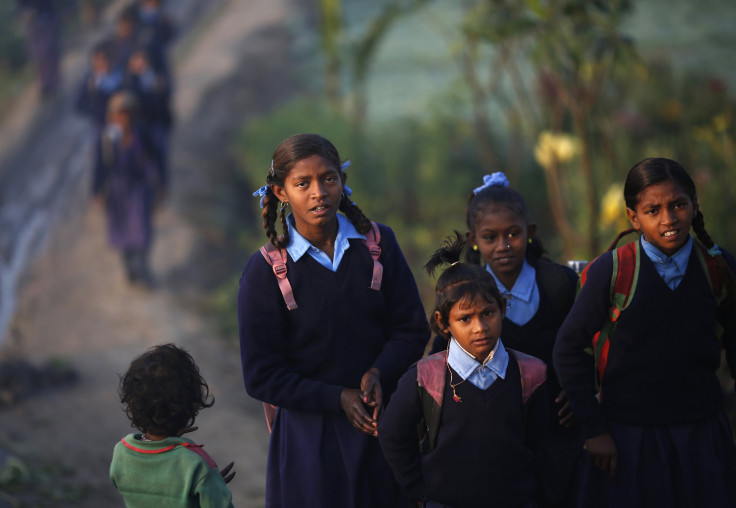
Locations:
173 473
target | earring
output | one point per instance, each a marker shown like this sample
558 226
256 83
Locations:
282 205
475 247
530 241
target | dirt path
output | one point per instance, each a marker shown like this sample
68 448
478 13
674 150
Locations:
75 306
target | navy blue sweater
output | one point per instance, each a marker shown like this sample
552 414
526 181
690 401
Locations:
663 353
486 444
302 359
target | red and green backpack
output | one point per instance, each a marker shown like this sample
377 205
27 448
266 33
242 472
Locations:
626 264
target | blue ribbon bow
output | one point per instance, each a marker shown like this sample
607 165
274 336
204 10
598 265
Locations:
262 193
497 179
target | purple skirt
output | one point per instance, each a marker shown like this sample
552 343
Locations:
319 460
675 466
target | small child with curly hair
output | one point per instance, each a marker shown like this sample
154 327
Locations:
163 392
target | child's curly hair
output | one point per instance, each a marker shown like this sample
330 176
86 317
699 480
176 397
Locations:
163 391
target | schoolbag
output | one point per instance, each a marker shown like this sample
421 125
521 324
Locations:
431 384
624 278
277 259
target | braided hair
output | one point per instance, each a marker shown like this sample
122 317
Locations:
287 154
502 196
459 282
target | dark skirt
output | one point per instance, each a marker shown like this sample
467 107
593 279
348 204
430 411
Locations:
319 460
675 466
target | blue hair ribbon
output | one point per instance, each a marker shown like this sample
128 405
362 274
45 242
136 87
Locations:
262 193
345 165
714 251
497 179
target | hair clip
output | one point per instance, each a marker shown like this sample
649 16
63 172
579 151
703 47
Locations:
262 193
497 179
271 171
714 251
345 165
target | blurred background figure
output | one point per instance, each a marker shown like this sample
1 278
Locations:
152 90
100 82
127 179
123 40
154 31
43 37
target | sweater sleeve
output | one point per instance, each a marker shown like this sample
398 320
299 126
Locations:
264 342
397 435
574 366
407 332
212 491
727 317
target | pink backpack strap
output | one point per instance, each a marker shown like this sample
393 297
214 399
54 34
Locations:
270 412
199 451
533 373
372 239
277 259
431 375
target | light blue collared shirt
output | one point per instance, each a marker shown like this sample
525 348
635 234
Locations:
522 302
298 245
483 374
671 268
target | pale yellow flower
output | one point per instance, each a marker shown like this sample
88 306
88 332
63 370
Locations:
555 148
613 209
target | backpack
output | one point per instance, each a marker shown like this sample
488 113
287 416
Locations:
431 384
626 264
277 259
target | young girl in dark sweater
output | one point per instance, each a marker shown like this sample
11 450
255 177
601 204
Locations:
331 362
539 294
657 434
483 407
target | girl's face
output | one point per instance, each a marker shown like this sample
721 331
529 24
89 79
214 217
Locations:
313 189
664 213
501 236
475 324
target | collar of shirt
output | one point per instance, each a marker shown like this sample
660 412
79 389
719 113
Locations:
523 299
671 268
482 375
298 245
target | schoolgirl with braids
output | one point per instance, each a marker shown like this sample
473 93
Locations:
330 359
482 406
656 434
539 294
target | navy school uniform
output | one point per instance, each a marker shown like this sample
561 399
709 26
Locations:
94 93
660 398
128 179
154 98
300 360
155 32
44 41
487 445
562 448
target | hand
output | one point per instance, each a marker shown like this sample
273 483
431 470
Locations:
351 401
370 384
226 474
186 430
602 450
567 417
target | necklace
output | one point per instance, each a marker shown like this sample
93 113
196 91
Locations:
455 396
